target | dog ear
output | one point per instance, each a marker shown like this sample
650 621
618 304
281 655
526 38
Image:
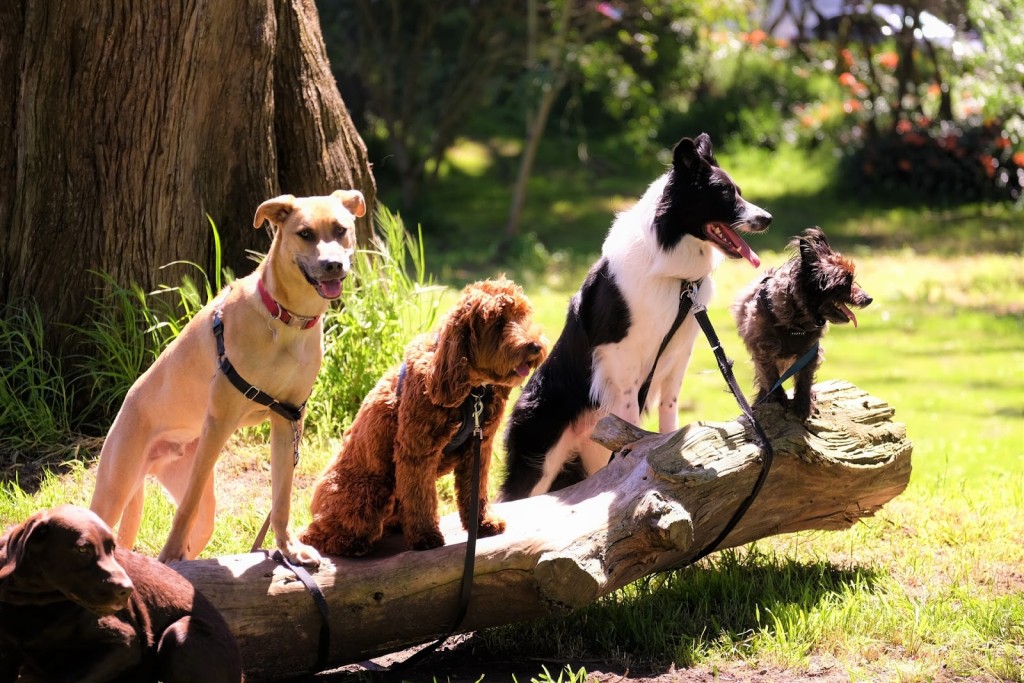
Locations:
14 550
694 156
275 210
448 383
352 200
703 143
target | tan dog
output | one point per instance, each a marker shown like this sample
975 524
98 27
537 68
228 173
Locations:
178 415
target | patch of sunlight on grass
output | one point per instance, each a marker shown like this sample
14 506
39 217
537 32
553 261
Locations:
470 157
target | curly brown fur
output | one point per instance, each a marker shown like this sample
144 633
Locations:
74 607
384 475
784 313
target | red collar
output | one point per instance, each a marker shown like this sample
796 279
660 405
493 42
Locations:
281 313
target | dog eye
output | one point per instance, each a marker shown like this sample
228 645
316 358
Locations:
306 234
84 549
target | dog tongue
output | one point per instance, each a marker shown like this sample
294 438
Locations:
738 245
523 370
329 289
848 313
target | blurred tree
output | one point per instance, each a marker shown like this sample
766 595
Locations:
635 56
124 125
996 78
423 66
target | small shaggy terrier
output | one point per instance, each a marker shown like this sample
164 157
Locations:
415 425
784 314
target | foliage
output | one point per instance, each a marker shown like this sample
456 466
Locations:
941 162
995 75
414 70
127 329
35 400
367 335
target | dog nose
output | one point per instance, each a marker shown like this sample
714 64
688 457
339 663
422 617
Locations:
868 300
332 268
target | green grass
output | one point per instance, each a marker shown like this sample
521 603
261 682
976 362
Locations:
929 589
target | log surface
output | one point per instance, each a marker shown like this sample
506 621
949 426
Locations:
658 503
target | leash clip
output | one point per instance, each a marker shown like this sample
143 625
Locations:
478 409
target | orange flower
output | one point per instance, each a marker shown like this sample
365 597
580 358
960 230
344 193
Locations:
934 89
889 60
1002 142
903 126
847 79
850 106
915 139
1018 159
847 57
989 164
756 37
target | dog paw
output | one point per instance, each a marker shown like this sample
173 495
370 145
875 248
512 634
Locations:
300 553
491 526
427 541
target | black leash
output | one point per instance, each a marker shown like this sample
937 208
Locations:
294 416
687 302
767 453
472 410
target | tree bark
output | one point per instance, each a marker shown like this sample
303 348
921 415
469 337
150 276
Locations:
656 506
125 124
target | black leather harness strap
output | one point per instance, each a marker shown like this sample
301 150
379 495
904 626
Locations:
294 416
687 290
253 393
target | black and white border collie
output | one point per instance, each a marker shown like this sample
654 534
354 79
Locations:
679 230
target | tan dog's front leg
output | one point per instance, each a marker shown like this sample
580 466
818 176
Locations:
282 468
216 431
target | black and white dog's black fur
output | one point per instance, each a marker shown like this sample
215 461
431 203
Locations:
679 230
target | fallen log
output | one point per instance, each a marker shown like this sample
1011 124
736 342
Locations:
657 505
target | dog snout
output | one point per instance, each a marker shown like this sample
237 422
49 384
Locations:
756 218
333 270
533 348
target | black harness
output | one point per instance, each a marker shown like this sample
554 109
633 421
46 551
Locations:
478 396
294 416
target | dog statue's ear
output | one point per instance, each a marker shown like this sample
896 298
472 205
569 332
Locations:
448 383
352 200
275 210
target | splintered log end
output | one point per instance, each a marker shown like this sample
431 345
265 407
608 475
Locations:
567 582
614 433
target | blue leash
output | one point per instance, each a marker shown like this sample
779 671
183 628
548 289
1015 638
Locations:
796 367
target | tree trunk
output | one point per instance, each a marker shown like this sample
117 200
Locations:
656 506
125 124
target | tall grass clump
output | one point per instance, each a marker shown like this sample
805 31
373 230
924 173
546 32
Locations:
35 401
391 299
129 328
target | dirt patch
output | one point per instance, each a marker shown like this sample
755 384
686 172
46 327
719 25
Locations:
467 661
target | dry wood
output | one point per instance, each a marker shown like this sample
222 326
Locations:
656 506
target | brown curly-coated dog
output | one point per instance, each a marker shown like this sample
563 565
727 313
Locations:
399 443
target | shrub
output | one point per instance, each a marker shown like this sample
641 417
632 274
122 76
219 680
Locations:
941 162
